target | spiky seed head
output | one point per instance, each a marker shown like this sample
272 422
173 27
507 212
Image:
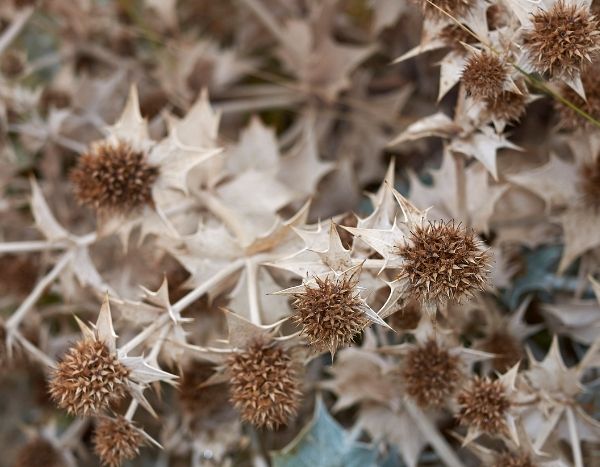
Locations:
507 348
431 374
589 176
562 39
39 452
483 405
452 35
514 459
88 379
330 312
443 261
264 384
114 178
484 75
408 316
508 106
456 8
568 117
116 440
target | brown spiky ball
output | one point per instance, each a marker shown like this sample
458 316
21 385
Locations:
562 39
484 75
443 261
264 384
591 84
514 459
37 453
407 317
330 312
483 405
116 440
456 8
454 35
113 178
507 349
431 374
88 379
589 176
508 106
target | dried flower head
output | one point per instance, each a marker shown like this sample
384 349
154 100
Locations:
508 106
483 405
39 452
264 385
330 312
454 35
407 317
589 175
454 7
89 378
506 348
484 75
114 178
431 374
562 39
116 440
443 261
514 459
568 117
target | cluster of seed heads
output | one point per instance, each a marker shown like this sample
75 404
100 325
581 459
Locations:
330 312
484 75
88 379
116 440
431 374
114 178
483 405
443 261
264 384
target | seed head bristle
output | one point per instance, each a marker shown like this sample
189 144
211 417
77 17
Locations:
562 39
483 405
116 440
331 312
443 261
484 75
264 384
589 176
514 459
39 452
453 35
431 374
114 178
88 379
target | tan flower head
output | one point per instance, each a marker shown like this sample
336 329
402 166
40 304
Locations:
431 374
116 440
114 178
330 311
591 85
506 348
484 404
562 39
484 75
454 35
589 174
88 379
264 384
443 261
39 452
508 106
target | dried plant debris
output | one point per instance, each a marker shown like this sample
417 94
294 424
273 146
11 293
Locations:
217 216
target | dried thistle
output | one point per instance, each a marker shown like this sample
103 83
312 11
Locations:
568 117
264 385
407 317
512 459
37 453
114 178
484 75
443 262
507 348
454 35
431 374
562 39
89 379
453 7
508 106
330 312
589 176
484 404
116 440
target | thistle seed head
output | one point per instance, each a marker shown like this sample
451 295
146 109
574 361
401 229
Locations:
453 35
264 385
443 262
331 312
39 452
562 39
456 8
568 117
507 348
514 459
431 374
508 106
116 440
114 178
88 379
408 316
484 75
589 176
483 405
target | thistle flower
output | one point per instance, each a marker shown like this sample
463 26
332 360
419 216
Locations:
264 384
39 452
589 175
506 348
508 106
454 35
484 75
562 39
453 7
568 117
116 440
443 261
407 317
330 311
431 374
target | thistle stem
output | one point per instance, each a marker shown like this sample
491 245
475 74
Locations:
574 436
252 286
20 247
